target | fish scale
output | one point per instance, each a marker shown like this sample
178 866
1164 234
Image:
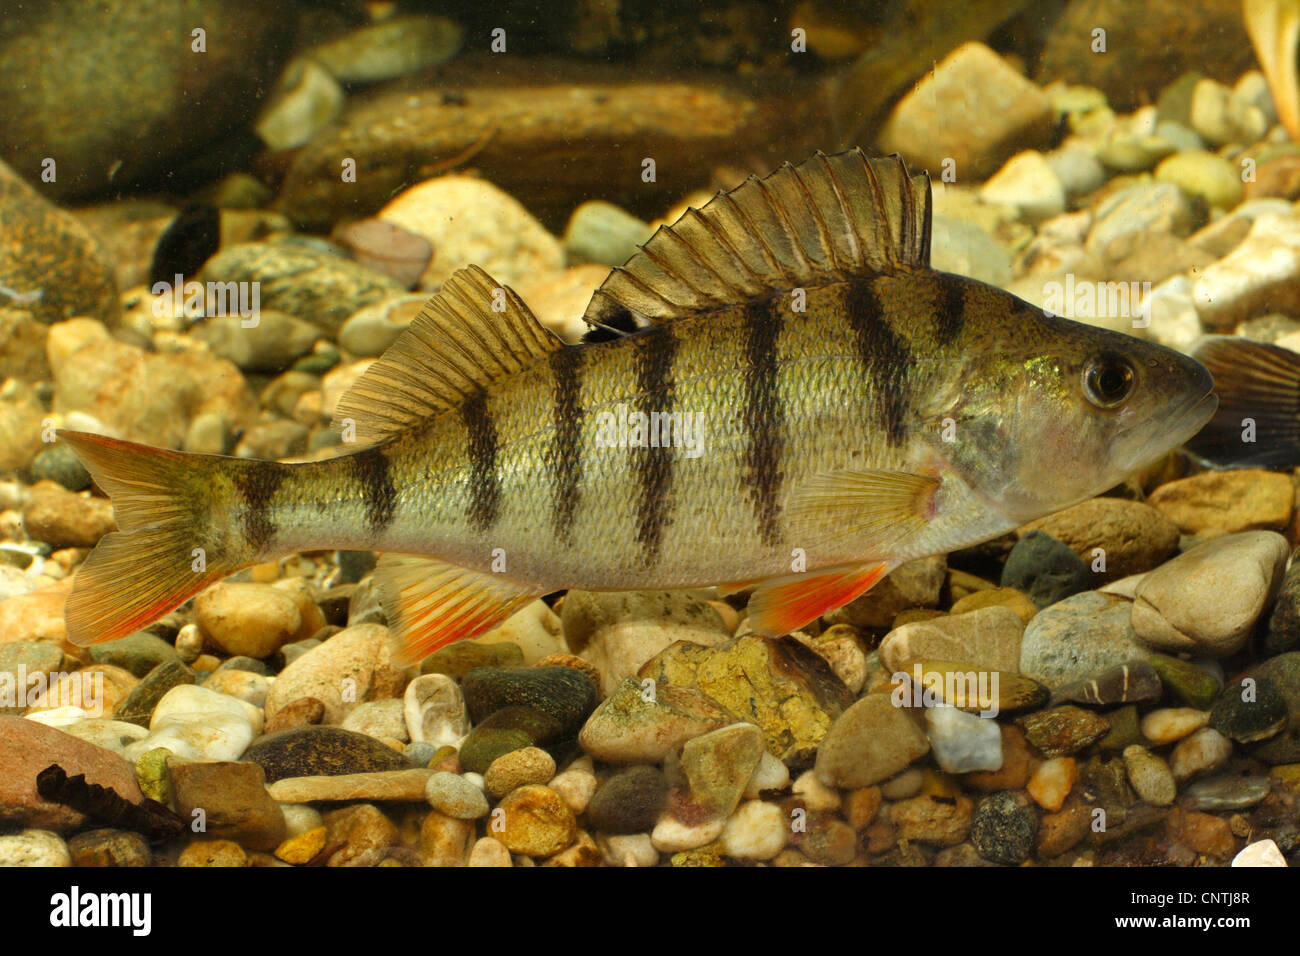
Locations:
900 412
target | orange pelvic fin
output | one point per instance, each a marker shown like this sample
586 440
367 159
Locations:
788 603
430 603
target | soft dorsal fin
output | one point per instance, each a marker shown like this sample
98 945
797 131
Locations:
456 345
828 219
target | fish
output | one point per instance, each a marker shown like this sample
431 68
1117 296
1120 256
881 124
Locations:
851 409
1257 424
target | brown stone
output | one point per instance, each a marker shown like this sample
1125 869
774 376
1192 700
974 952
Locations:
233 798
302 712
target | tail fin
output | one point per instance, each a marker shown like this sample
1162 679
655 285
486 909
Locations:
1258 421
161 500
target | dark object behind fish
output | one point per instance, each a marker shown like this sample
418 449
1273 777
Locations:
191 240
1258 421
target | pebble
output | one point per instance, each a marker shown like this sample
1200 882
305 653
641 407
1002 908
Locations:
1002 111
1225 793
381 719
1063 730
1191 683
199 724
629 802
643 724
562 693
1004 828
97 690
189 643
870 742
1219 118
316 751
303 712
671 835
1257 277
458 659
1260 853
718 765
34 848
1017 601
114 735
1150 776
372 329
965 248
357 659
1133 536
1079 638
243 618
453 212
389 49
963 742
1161 207
1202 833
483 745
445 841
1052 782
787 690
632 849
453 795
1204 751
1283 632
1203 174
1284 672
1170 724
904 785
488 851
218 853
1250 711
756 831
1247 499
138 653
64 519
813 794
770 774
434 710
361 829
302 847
109 848
988 639
603 233
1060 832
1029 183
405 785
537 823
233 799
936 821
576 786
270 346
299 818
1134 682
244 685
516 769
1045 569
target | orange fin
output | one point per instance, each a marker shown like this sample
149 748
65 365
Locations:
787 604
142 571
877 509
430 603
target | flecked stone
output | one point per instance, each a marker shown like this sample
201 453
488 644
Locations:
233 798
109 848
1133 537
1250 711
458 659
1063 730
1247 499
629 802
537 822
356 659
518 768
1004 828
562 693
644 723
321 751
1078 638
1207 600
453 795
988 638
718 765
777 683
870 742
434 709
1150 776
1045 569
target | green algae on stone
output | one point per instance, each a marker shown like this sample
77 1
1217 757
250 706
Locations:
485 744
1191 684
151 774
642 721
563 693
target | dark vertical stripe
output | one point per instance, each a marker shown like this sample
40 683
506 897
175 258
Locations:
764 418
883 356
256 485
484 482
656 348
370 471
950 309
566 419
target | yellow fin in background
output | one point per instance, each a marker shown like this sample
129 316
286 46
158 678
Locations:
786 604
430 603
829 219
877 509
458 344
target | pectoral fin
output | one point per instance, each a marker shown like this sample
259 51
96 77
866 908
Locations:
877 509
430 603
786 604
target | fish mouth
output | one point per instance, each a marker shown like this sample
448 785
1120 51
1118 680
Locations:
1178 426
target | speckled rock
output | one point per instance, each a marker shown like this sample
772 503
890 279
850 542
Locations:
1250 711
870 742
1078 638
34 848
1284 672
536 822
218 853
453 795
1063 730
777 683
321 751
1133 537
518 768
1207 600
645 722
1004 828
1150 776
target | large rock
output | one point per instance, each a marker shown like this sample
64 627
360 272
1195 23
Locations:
1132 537
988 638
1246 499
111 90
355 662
1078 638
870 742
641 724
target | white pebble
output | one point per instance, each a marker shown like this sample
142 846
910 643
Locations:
756 831
1168 724
816 795
1260 853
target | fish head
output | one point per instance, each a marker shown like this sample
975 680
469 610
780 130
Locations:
1049 412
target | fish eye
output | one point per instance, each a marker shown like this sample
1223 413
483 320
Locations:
1107 382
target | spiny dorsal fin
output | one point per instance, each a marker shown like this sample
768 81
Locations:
826 220
456 346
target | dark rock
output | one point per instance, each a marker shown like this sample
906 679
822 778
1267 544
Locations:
1194 686
563 693
60 463
1248 714
1004 828
1063 730
1134 682
1283 632
138 653
1284 671
242 662
138 706
485 744
1045 569
629 802
321 751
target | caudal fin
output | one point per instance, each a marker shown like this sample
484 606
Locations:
1258 421
156 560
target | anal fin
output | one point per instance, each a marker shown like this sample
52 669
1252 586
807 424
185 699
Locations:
786 604
430 603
